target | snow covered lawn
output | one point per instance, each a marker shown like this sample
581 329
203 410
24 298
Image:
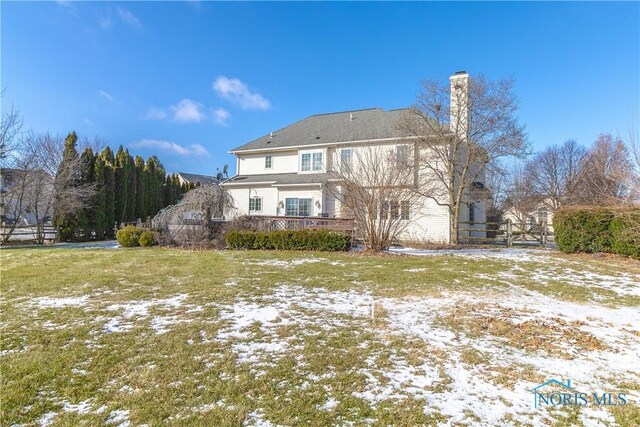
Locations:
450 338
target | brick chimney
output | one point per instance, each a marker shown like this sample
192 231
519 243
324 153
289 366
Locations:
459 104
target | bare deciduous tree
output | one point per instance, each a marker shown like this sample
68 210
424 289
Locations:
553 173
606 173
40 184
10 126
459 130
376 188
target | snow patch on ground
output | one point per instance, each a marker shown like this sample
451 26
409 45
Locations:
48 302
119 418
286 306
510 254
133 311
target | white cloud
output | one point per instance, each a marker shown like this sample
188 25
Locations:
106 95
155 113
172 147
105 22
188 111
129 18
236 92
221 116
88 122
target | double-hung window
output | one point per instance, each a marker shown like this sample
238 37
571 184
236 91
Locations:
345 159
317 162
305 164
255 204
268 162
402 155
311 162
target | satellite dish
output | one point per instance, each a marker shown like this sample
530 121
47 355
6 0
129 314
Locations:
225 169
219 177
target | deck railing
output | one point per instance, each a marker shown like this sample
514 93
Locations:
345 225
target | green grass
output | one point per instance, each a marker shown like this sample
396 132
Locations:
187 376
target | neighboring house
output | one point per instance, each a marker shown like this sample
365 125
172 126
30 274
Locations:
23 194
288 172
192 178
533 213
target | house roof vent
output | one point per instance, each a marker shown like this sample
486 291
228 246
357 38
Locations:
350 117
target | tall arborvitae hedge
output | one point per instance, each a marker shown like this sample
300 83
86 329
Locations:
126 189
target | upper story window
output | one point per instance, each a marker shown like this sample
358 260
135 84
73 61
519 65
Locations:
345 159
402 155
268 162
317 161
311 162
306 162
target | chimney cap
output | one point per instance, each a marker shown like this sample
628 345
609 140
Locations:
457 73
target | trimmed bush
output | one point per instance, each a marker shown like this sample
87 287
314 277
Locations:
614 230
147 238
310 240
129 236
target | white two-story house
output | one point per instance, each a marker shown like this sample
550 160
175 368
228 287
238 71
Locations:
288 172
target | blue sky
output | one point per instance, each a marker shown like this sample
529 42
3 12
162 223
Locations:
190 80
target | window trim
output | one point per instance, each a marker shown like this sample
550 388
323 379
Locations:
312 156
268 160
255 199
297 206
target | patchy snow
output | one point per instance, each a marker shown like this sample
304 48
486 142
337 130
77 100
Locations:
256 419
471 390
288 305
83 407
511 254
119 418
133 311
47 419
285 263
329 405
48 302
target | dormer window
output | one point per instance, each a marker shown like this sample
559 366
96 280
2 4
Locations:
268 162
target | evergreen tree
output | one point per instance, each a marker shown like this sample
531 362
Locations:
66 222
130 211
87 160
141 195
109 191
98 213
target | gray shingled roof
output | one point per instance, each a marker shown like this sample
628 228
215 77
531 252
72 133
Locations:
202 179
373 123
280 178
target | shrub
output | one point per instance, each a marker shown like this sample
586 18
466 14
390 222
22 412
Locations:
626 235
615 230
317 240
129 236
147 238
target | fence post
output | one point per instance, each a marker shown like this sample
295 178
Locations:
509 234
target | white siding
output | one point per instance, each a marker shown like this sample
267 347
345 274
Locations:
241 196
281 162
428 222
